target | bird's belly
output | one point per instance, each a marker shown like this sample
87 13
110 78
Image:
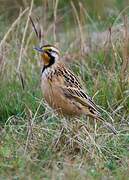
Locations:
56 100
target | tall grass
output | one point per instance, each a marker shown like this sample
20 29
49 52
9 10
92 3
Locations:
35 142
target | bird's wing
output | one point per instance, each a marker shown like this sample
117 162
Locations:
80 97
70 80
73 90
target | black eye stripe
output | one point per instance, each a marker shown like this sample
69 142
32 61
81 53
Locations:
50 50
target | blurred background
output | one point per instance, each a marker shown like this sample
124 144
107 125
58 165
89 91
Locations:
97 10
93 37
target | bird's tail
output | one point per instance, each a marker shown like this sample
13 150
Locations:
107 124
94 113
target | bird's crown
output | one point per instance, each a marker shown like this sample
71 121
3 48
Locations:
50 48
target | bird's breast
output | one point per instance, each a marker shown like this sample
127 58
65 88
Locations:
56 99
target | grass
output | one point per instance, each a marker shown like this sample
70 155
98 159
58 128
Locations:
35 142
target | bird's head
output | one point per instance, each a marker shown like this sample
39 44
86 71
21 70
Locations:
49 54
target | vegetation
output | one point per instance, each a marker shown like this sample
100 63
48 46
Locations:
93 38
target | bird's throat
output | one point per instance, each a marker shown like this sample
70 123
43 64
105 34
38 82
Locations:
52 61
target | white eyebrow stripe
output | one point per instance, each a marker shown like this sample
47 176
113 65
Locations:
54 49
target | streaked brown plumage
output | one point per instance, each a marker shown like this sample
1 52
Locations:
62 89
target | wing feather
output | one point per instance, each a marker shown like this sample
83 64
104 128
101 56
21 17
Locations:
82 98
70 80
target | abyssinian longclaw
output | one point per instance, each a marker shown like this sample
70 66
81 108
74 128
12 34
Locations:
62 89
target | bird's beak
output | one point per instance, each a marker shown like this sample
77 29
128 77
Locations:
38 49
44 55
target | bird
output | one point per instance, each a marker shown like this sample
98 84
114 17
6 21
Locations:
62 89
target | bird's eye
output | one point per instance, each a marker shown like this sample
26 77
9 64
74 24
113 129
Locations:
49 50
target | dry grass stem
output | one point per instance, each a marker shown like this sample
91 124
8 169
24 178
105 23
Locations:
55 19
12 27
125 62
79 25
24 36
